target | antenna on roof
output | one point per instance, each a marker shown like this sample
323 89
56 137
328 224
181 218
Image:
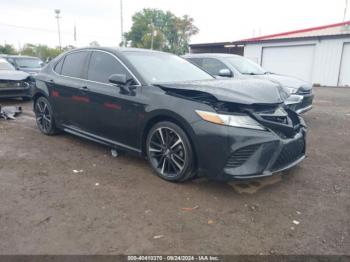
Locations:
345 10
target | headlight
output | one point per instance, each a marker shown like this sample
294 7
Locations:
243 121
293 90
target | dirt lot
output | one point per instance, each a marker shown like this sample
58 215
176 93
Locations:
117 205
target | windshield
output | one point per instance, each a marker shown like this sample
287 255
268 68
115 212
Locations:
29 62
163 67
245 66
6 66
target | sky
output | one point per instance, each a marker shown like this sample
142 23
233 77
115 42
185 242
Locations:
28 21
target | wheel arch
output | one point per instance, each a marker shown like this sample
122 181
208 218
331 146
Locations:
37 95
170 117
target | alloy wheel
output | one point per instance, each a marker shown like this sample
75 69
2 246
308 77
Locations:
166 151
43 116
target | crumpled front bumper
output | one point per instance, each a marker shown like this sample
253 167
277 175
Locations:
228 153
26 91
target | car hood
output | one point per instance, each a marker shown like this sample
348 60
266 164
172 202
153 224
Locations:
285 81
13 75
30 70
247 91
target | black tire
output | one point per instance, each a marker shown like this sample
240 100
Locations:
170 153
44 116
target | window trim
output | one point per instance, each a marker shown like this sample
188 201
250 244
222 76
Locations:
64 59
56 64
89 57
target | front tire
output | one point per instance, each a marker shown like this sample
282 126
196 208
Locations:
169 152
44 116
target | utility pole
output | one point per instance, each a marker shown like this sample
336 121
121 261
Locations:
121 23
57 12
346 9
152 35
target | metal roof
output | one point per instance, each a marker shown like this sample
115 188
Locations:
325 31
319 31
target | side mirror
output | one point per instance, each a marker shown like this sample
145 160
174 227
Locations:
124 83
118 79
225 72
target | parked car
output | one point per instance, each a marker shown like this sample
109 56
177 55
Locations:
14 83
29 64
163 107
235 66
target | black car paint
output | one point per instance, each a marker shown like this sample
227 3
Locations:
104 113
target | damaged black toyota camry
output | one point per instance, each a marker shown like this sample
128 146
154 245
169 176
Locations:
158 105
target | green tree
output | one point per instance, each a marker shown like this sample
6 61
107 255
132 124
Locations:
7 49
153 28
43 51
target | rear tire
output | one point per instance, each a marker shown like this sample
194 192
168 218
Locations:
44 116
170 153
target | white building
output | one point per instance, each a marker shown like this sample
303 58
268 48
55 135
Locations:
320 55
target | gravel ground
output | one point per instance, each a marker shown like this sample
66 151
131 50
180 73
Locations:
117 205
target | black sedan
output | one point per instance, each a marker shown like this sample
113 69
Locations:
163 107
14 83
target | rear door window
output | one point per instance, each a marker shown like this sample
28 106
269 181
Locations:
74 63
103 65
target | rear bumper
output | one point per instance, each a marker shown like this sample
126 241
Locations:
228 153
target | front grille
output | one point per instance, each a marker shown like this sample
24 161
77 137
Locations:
304 92
240 156
13 84
289 154
278 119
307 101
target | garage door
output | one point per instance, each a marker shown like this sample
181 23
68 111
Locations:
344 77
290 60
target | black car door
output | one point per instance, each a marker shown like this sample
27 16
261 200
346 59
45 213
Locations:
67 89
112 114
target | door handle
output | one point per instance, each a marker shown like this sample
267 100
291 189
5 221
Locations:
84 88
52 81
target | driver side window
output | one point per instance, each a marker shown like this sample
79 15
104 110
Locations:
213 66
102 66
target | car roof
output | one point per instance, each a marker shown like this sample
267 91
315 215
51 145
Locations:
22 56
211 55
117 49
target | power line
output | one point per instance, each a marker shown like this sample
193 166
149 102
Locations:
47 30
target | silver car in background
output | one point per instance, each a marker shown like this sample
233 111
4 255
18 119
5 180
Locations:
235 66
